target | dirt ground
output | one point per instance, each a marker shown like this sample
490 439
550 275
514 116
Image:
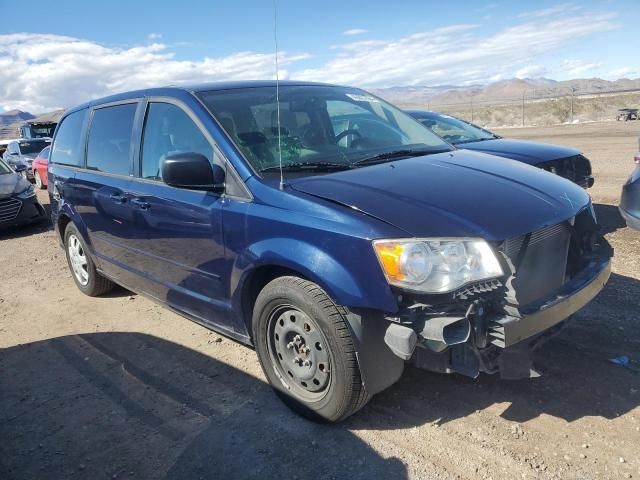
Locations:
118 387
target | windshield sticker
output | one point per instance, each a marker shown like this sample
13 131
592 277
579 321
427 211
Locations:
362 98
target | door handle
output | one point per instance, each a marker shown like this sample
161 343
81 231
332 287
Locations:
117 198
141 204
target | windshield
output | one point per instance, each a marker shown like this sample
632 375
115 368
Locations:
33 147
320 126
40 131
4 168
454 130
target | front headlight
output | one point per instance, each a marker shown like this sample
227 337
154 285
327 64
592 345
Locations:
28 193
436 265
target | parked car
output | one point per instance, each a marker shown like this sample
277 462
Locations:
24 151
626 114
40 168
335 234
18 202
37 129
564 161
3 146
630 199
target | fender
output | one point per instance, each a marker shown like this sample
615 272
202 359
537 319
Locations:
379 367
315 265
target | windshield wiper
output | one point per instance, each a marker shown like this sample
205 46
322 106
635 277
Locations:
302 166
382 157
484 139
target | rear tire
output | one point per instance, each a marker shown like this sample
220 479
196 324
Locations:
39 183
83 270
304 345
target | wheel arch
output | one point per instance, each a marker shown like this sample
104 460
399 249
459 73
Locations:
62 223
379 367
255 280
268 259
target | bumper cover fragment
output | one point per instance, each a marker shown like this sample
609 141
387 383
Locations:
544 314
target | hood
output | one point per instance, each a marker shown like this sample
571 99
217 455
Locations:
11 183
458 193
521 150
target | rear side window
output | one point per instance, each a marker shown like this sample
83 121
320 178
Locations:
168 131
109 145
68 148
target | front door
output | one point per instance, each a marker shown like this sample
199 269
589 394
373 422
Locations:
182 254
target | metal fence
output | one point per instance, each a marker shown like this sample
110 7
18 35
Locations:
533 108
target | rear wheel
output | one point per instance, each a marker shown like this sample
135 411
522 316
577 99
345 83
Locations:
83 270
39 183
305 348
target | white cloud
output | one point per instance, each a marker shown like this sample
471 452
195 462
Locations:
563 8
573 68
41 72
154 36
44 72
624 72
457 54
355 31
488 6
532 71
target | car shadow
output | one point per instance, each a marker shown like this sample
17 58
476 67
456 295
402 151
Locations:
609 218
577 381
112 405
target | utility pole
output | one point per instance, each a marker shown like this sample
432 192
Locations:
573 89
472 108
523 93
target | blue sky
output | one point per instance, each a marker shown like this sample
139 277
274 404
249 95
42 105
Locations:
78 49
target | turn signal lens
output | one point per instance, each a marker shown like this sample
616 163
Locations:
404 262
389 255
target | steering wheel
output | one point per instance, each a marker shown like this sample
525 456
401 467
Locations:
346 133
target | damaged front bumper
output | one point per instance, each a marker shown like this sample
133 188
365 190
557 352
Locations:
543 315
490 339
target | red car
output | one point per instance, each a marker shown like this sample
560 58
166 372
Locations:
40 168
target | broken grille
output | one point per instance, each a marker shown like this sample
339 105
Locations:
539 260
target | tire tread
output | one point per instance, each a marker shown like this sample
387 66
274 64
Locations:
356 395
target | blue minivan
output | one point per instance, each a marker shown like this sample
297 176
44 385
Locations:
324 227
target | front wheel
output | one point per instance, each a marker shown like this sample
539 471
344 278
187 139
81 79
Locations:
306 350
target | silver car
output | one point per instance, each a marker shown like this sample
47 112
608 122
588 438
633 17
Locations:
630 199
23 152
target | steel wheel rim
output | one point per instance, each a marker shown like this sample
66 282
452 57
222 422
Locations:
78 260
299 353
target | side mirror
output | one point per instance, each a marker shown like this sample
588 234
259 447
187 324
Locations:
21 167
192 171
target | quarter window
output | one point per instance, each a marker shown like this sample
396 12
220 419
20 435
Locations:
109 144
168 131
68 148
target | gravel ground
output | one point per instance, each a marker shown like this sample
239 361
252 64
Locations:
118 387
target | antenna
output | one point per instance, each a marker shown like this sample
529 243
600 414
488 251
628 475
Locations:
275 41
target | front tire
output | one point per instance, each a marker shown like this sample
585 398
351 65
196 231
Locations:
305 347
83 270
